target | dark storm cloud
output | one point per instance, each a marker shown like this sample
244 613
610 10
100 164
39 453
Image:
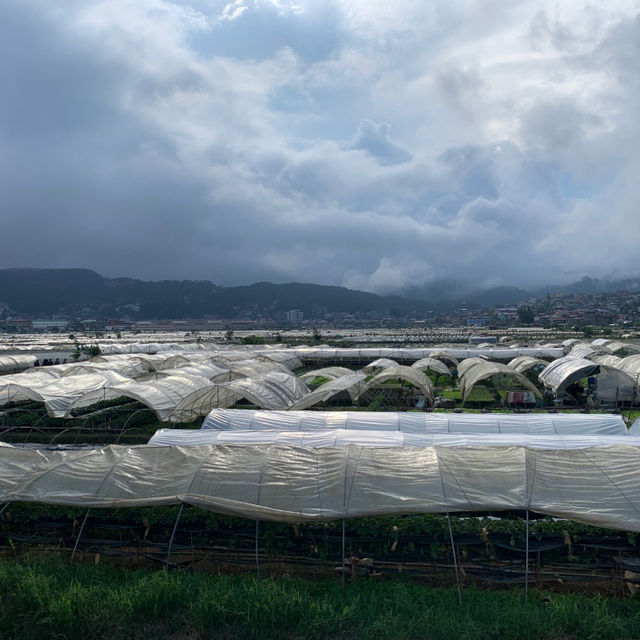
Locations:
357 143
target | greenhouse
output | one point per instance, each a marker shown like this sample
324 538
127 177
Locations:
379 365
418 422
585 350
443 355
351 384
34 378
466 364
410 355
60 394
270 390
161 395
15 364
443 474
523 364
607 359
501 376
413 376
328 438
432 364
631 366
329 373
215 373
617 347
611 384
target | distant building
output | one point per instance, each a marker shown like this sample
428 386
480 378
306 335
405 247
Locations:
18 323
49 325
294 316
197 324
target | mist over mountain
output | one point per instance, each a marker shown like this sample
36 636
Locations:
594 285
458 291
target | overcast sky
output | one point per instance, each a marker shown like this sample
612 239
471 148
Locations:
371 144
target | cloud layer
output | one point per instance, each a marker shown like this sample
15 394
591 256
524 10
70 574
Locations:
372 144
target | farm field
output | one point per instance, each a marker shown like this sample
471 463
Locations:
181 571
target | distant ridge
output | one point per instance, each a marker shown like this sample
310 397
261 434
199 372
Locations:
85 293
81 291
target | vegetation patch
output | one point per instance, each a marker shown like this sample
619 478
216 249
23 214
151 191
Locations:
49 598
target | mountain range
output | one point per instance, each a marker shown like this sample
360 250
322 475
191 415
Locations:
82 293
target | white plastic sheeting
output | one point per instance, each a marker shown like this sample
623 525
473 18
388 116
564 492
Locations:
288 359
560 373
271 390
330 373
631 366
607 359
623 347
411 375
215 373
466 364
371 438
60 394
351 383
585 350
443 355
612 384
251 368
525 363
162 395
615 346
501 375
317 354
11 385
379 365
589 480
130 367
146 347
15 364
432 364
418 422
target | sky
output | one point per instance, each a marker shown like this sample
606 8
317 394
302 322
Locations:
371 144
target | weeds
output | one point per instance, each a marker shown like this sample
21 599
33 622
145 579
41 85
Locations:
46 598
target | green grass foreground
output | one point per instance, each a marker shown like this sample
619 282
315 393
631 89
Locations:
49 598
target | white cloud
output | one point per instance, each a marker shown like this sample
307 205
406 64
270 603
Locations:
378 145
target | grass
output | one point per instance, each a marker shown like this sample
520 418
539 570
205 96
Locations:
477 394
48 598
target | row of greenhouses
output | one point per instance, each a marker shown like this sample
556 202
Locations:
343 473
182 386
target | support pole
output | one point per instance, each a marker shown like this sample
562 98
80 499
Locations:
455 559
526 561
75 546
343 552
258 552
173 534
